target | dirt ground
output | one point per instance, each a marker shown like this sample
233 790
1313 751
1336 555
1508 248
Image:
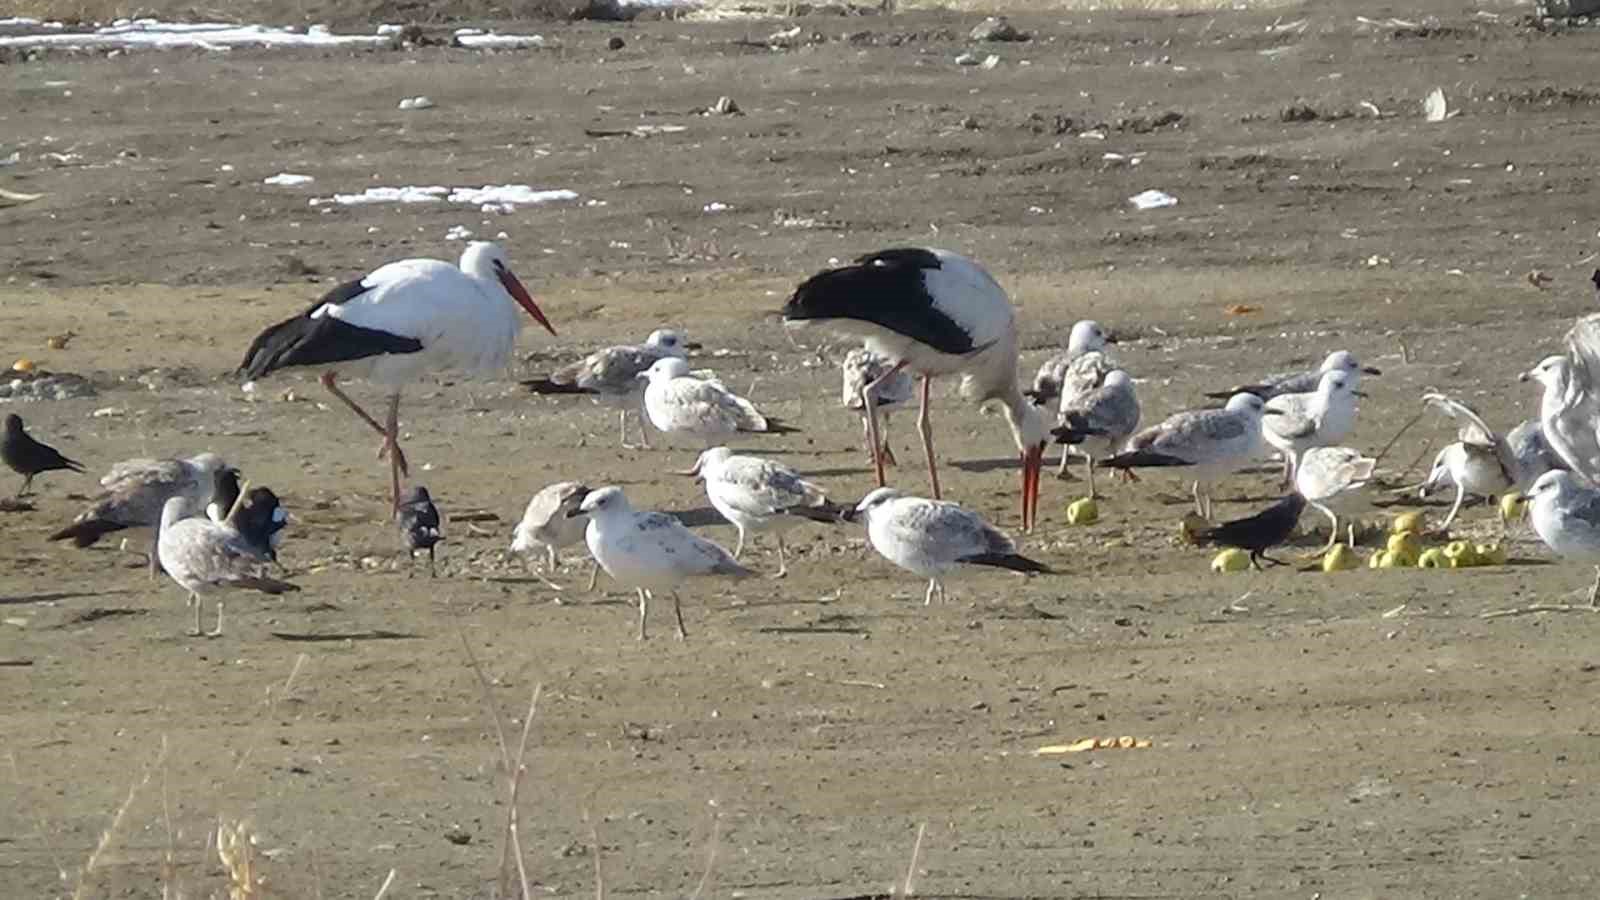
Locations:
1355 735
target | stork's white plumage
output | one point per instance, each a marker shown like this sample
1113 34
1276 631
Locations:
404 319
935 313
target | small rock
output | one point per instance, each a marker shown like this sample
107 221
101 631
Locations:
1298 112
996 28
458 837
615 43
725 106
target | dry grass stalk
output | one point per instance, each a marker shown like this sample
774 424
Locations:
170 888
110 833
711 856
906 887
16 778
594 842
384 889
271 702
236 850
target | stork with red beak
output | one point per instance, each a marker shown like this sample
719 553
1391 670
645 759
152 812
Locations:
935 313
403 320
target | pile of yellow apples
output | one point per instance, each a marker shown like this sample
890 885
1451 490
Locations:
1405 549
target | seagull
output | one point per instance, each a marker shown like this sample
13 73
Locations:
1212 442
650 551
1087 337
1480 462
403 320
1569 414
136 490
611 375
758 494
862 367
548 521
933 538
1303 382
203 557
679 403
1566 515
419 526
1260 532
1325 472
1106 416
935 313
1321 418
1532 453
27 457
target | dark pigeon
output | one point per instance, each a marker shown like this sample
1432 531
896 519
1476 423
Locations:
419 525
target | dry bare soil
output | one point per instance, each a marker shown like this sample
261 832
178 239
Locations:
1357 735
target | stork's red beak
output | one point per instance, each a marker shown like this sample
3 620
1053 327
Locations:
520 294
1032 466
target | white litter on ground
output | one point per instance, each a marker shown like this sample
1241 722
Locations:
286 179
500 41
159 35
1153 199
417 103
26 22
503 197
458 233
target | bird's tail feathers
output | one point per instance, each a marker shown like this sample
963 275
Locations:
85 533
1015 562
776 426
826 512
1075 430
548 386
1140 459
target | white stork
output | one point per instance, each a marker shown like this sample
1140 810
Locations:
404 319
935 313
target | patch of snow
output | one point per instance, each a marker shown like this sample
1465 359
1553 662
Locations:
481 41
458 233
390 29
286 179
417 103
156 34
1153 199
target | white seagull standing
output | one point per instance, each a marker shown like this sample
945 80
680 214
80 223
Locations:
935 313
204 557
1103 418
862 367
1566 515
650 551
1326 472
758 494
403 320
1321 418
1210 442
1303 382
1569 412
679 403
1087 337
611 376
933 538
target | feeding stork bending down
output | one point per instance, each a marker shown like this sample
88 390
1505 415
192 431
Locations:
404 319
935 313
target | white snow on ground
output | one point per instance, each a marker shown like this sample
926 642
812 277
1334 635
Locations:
489 198
287 179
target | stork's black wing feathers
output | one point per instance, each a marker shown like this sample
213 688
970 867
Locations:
307 341
887 289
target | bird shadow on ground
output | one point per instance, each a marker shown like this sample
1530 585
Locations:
987 465
374 635
836 471
53 597
697 517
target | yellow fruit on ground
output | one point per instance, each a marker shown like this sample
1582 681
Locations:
1083 512
1460 554
1339 559
24 365
1511 506
1393 560
1490 554
1411 521
1231 560
1433 558
1406 543
1376 559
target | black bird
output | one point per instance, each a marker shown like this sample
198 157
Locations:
260 520
1260 532
225 489
419 525
27 457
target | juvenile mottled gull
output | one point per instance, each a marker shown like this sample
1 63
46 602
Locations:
1320 418
679 403
136 490
933 538
1087 337
1326 472
611 376
206 557
1098 421
862 367
1303 382
650 551
1481 462
1566 515
758 494
27 457
547 522
1208 442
